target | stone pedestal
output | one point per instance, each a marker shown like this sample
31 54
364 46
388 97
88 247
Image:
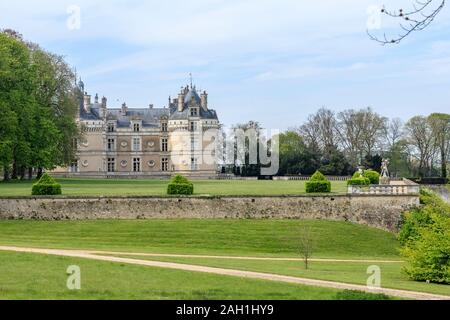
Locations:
385 181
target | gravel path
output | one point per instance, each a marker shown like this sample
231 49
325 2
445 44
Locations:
235 257
229 272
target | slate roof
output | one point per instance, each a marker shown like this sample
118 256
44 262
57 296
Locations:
150 116
185 114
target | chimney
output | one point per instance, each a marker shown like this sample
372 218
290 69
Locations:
104 102
181 101
204 101
87 103
124 109
96 98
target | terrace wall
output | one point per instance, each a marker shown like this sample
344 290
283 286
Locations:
381 211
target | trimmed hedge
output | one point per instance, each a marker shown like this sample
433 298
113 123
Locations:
360 295
180 188
318 184
180 185
372 175
358 181
318 187
46 186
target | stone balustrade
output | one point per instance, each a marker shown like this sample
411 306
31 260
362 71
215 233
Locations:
404 187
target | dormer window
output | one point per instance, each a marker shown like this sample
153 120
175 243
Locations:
136 127
194 112
111 127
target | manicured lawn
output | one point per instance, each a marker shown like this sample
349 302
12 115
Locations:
102 187
349 272
34 276
211 237
26 276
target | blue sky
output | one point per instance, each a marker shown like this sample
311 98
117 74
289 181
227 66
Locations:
270 61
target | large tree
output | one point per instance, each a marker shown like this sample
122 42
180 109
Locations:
360 133
38 95
440 127
421 143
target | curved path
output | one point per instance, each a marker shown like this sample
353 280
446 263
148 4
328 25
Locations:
230 272
164 255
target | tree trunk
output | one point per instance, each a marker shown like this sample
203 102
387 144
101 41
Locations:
443 162
6 176
14 171
40 172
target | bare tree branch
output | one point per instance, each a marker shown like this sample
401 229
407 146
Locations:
418 19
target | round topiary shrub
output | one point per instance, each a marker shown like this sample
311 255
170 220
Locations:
318 184
372 175
180 185
46 186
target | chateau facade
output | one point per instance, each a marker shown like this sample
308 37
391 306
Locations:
149 142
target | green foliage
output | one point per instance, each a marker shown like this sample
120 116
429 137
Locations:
425 237
38 104
421 217
180 185
318 176
358 181
372 175
46 186
179 179
318 184
428 255
359 295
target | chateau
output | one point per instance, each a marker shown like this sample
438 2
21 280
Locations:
148 142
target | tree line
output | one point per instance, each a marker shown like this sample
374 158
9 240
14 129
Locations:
38 107
336 143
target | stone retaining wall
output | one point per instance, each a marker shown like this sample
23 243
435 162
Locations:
381 211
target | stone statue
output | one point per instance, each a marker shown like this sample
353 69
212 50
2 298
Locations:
385 177
384 168
361 171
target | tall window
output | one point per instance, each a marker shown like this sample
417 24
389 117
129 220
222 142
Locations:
165 164
193 144
194 164
136 144
74 167
164 145
136 127
111 144
164 127
193 126
136 165
111 165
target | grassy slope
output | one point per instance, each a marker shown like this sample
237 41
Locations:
391 275
215 237
101 187
31 276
